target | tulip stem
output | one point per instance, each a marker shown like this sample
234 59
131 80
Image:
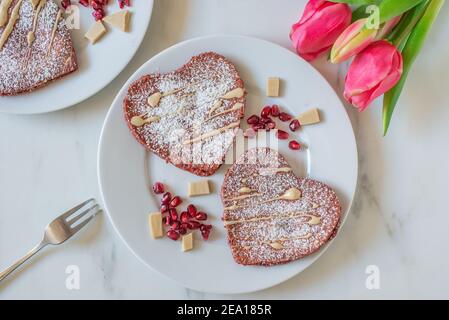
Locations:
410 52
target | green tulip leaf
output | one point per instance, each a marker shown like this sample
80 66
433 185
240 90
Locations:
393 8
411 50
358 2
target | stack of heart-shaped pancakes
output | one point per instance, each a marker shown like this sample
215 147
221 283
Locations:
271 215
35 45
188 117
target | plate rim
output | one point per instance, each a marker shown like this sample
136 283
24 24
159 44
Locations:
100 88
99 170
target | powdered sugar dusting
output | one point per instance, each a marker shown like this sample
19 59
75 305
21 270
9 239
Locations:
24 68
289 224
184 114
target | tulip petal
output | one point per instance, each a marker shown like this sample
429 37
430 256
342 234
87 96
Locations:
367 80
320 25
356 45
370 66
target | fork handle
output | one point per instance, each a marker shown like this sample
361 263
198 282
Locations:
18 263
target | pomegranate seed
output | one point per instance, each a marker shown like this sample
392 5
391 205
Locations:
282 135
206 227
249 133
182 230
294 125
185 225
205 234
175 225
271 126
192 210
98 14
164 208
84 3
258 126
65 3
172 234
294 145
185 216
158 188
265 120
176 201
96 5
201 216
194 225
266 112
166 198
167 221
173 214
253 119
275 111
164 220
284 117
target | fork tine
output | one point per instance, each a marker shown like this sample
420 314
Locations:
82 214
82 224
67 214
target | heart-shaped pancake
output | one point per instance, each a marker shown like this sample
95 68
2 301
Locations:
35 45
271 215
188 117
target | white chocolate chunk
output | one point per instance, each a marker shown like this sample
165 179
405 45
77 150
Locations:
199 188
119 20
273 85
155 220
309 117
187 242
96 32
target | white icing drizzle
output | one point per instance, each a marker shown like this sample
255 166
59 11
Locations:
32 34
271 171
53 32
235 107
314 220
245 190
246 196
4 7
279 244
236 93
138 121
35 3
10 26
217 105
212 133
153 100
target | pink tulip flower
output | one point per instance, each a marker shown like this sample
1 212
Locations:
321 24
373 72
353 40
357 37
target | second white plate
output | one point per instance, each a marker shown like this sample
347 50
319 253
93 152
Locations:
126 171
99 64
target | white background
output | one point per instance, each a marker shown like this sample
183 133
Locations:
399 220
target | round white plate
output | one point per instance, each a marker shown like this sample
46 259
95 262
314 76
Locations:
127 171
98 64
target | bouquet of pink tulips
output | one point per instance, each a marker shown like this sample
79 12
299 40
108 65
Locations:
382 37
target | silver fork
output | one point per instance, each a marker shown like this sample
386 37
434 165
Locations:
59 230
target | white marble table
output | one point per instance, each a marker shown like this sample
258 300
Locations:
399 221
